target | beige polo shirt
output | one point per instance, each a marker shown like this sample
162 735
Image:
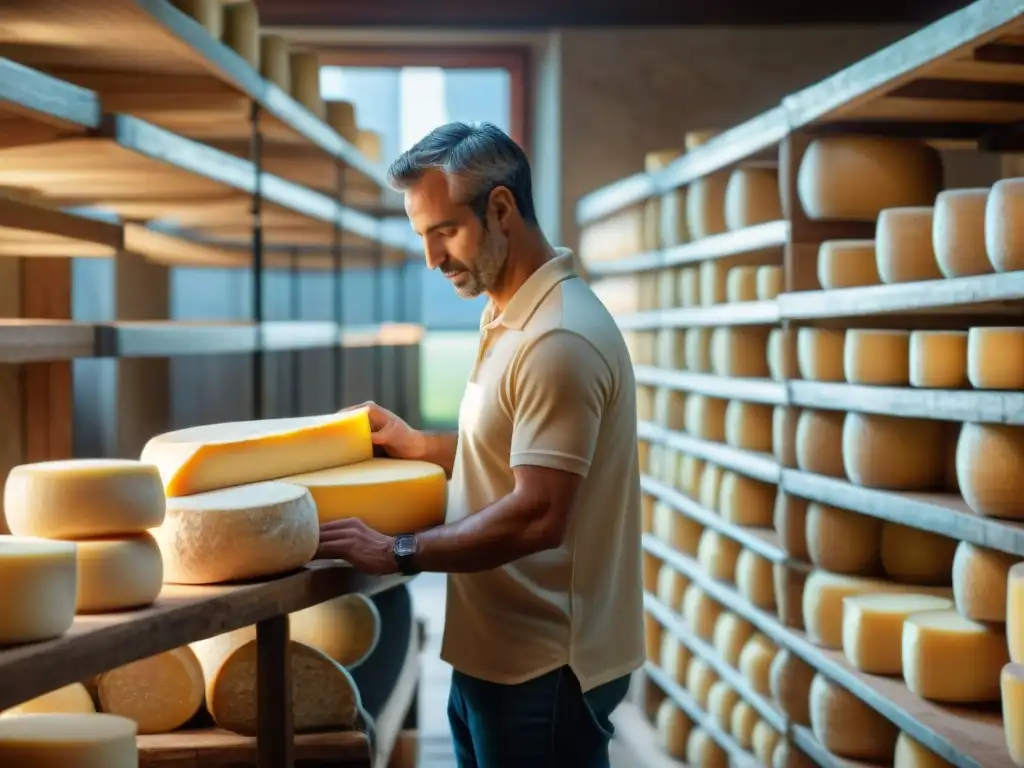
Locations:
553 387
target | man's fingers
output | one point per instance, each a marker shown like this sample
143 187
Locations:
343 524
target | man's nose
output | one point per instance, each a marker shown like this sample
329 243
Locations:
434 256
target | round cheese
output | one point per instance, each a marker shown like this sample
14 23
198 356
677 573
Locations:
756 661
660 159
717 555
689 287
705 417
160 693
787 755
788 579
752 197
911 754
346 628
324 696
341 116
854 178
651 568
765 739
215 456
644 403
275 61
789 683
819 442
1015 613
935 645
754 579
673 728
653 634
710 483
694 139
666 289
38 579
674 657
701 612
705 205
118 574
670 590
722 698
699 679
1004 240
245 532
741 725
741 284
995 358
713 276
669 350
893 453
873 628
847 264
990 469
789 518
68 741
847 727
979 581
877 357
783 360
208 13
697 349
819 354
703 750
242 31
770 282
958 232
669 410
368 144
83 498
784 423
745 501
1012 695
691 470
903 245
748 426
731 634
938 359
69 699
740 352
305 66
915 556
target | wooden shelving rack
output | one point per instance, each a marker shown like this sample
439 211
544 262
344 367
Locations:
956 84
129 133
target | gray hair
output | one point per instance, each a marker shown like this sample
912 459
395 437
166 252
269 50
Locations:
480 157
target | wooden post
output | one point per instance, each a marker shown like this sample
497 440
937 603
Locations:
275 739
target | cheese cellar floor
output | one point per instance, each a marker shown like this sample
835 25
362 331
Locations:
435 750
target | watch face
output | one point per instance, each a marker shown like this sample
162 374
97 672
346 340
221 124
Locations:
405 545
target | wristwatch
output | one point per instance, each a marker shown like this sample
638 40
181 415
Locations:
404 549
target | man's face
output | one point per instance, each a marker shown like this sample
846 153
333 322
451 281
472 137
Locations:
455 241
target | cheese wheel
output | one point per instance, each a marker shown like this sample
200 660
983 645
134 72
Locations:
752 197
368 144
305 66
689 287
674 657
731 634
703 750
83 498
699 678
824 593
915 556
665 519
391 496
644 403
935 645
784 423
652 224
765 739
68 741
651 567
846 726
341 116
271 527
789 517
659 159
38 581
697 349
847 264
740 352
1012 695
770 282
912 754
745 501
673 728
721 700
958 232
705 417
160 693
877 357
995 358
819 354
653 634
669 351
346 628
748 426
938 359
854 178
788 579
756 662
873 628
710 485
783 360
741 724
819 442
1015 613
276 61
787 755
694 139
242 31
666 289
118 574
705 205
990 469
691 470
701 612
69 699
324 696
903 245
741 284
789 683
893 453
207 13
1004 242
669 411
717 555
979 581
670 590
754 579
215 456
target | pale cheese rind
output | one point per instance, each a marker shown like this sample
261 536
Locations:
846 726
49 741
118 574
38 581
69 699
347 628
160 692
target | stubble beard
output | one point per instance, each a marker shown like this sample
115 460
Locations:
487 266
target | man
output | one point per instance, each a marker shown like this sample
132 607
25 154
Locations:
544 616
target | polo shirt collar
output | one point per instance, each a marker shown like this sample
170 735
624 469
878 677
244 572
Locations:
531 293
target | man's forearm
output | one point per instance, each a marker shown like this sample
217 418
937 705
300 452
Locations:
439 448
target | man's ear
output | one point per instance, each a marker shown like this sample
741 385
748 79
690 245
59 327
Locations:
502 205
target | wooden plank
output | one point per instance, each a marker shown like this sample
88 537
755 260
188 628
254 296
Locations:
747 390
275 740
41 98
216 748
756 465
740 313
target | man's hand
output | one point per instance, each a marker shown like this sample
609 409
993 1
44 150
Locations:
357 543
393 434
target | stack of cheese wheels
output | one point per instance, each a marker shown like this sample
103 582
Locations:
104 506
38 581
68 740
617 236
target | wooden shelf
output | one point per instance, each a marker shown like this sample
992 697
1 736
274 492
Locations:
756 465
738 313
748 390
35 106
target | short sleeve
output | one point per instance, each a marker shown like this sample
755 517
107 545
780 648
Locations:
558 390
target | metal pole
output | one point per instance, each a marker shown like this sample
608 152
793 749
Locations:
256 156
337 250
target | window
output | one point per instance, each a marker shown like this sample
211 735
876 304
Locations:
402 95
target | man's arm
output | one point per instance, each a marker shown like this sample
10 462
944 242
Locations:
558 391
439 448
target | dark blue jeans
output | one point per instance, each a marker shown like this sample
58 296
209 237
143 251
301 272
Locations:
546 722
